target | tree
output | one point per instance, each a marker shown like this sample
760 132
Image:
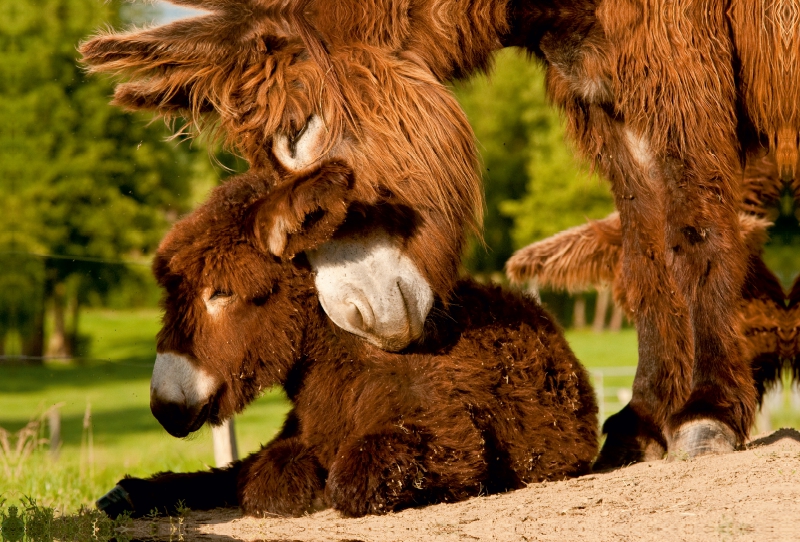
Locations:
84 183
493 103
560 190
534 185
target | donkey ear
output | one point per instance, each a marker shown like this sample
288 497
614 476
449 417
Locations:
178 66
301 215
573 259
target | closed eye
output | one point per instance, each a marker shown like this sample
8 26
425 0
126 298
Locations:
218 300
219 294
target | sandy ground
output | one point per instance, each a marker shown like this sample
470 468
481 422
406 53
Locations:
752 494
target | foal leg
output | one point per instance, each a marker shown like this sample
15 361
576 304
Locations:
284 478
407 466
166 492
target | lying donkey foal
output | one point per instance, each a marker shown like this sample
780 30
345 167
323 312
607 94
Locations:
493 399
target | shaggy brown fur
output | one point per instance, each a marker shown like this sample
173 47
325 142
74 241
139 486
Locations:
592 255
372 71
666 96
492 400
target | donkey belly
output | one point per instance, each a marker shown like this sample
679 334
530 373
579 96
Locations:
766 37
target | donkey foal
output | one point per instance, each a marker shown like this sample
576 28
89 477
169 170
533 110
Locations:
491 400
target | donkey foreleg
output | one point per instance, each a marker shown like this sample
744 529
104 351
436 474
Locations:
709 260
411 466
283 478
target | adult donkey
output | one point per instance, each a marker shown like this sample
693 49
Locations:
665 96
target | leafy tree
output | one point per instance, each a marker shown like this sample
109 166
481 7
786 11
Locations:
84 184
494 105
561 192
534 185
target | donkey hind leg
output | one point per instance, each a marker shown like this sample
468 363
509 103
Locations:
167 492
283 478
386 472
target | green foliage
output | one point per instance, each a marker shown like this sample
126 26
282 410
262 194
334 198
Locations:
534 185
42 524
83 183
494 105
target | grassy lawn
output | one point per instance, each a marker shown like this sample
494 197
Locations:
125 438
115 385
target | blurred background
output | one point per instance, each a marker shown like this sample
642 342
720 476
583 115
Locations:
87 191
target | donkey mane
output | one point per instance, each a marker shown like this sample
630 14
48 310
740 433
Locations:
253 68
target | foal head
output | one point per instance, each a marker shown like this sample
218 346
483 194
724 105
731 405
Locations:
293 83
234 314
237 317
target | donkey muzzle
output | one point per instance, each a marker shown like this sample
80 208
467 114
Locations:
180 394
370 287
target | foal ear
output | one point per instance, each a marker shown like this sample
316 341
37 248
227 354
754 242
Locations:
303 214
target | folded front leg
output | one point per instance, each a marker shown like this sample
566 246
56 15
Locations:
283 478
386 472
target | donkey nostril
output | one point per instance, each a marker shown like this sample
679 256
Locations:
353 316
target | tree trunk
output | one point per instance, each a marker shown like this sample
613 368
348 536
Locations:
579 315
72 343
33 344
616 319
57 347
600 310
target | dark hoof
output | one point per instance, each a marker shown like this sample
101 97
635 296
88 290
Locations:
115 502
631 438
621 451
701 437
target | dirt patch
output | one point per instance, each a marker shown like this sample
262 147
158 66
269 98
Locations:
752 494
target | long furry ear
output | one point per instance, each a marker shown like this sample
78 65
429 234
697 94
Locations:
185 65
302 214
574 259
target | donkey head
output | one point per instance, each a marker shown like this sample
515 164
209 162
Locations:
293 83
235 315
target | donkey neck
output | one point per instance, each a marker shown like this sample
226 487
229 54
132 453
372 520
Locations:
541 26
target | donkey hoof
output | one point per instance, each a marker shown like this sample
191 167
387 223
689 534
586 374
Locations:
620 452
115 502
701 437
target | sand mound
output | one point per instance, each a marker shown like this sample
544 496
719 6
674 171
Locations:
752 494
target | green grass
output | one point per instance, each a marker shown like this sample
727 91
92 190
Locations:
596 350
114 382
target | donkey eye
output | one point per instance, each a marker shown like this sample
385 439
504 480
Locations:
219 294
297 135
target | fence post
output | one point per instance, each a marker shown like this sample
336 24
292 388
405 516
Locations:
54 426
601 308
225 451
